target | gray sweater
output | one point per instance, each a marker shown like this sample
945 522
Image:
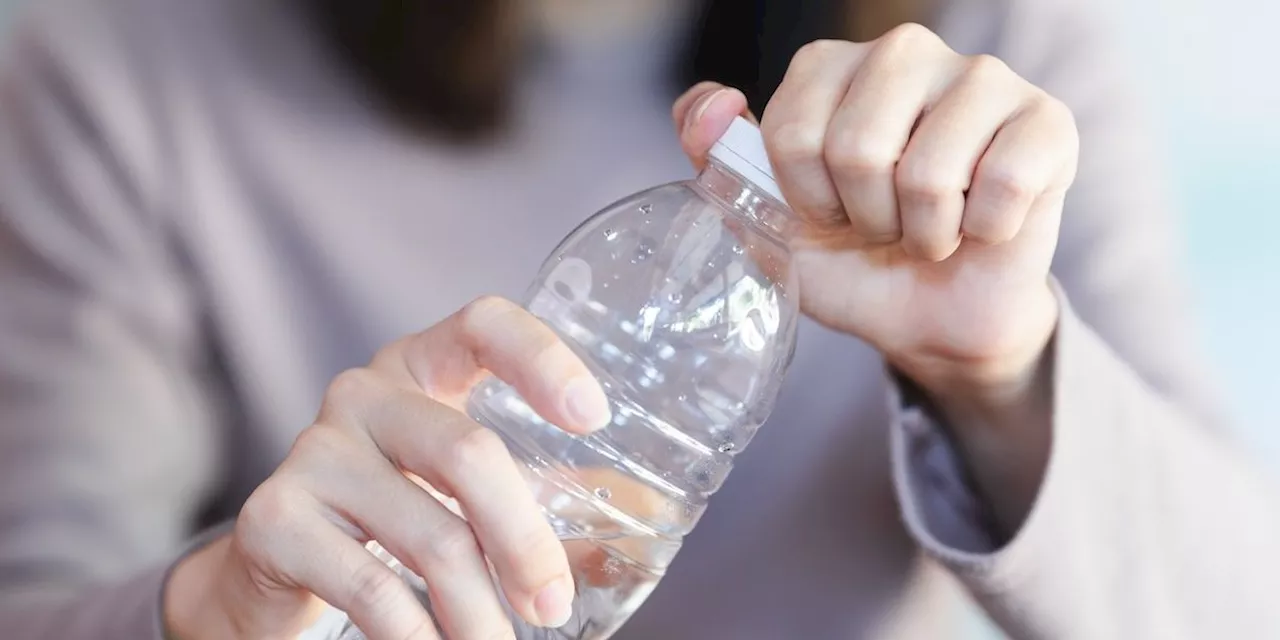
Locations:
201 221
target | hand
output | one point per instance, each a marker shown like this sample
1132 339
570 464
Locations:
353 476
943 176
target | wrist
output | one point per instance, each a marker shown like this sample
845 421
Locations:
1000 373
193 609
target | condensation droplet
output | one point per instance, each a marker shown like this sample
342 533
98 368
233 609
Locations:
646 209
682 398
675 297
726 447
603 493
610 235
737 249
643 251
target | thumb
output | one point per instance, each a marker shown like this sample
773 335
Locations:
703 114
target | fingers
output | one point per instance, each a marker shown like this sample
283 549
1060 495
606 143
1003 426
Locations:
703 114
283 529
797 121
498 336
470 462
466 461
1019 168
439 545
937 167
903 73
909 142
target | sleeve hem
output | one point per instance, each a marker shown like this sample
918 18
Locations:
995 564
159 631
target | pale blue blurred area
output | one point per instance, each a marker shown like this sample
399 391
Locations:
1210 67
1208 71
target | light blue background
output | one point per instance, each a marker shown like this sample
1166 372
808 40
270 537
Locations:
1209 69
1210 66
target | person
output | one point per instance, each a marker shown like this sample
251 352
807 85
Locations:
238 240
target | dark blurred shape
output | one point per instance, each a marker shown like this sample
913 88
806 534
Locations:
442 65
748 44
446 66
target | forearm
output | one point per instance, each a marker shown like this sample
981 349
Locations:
191 596
1141 524
998 414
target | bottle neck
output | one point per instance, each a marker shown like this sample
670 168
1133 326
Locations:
747 201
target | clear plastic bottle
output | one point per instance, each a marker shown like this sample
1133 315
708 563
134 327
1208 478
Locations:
682 301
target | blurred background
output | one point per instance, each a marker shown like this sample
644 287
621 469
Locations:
1225 150
1224 143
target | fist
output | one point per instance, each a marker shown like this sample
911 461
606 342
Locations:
935 182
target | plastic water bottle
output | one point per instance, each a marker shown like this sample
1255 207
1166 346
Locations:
682 301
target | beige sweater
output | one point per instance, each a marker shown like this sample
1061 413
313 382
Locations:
201 222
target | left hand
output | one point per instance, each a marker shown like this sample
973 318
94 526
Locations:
945 175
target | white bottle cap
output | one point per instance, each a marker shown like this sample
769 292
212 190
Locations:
741 148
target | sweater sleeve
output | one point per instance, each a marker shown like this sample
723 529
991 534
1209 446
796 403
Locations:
1149 521
106 441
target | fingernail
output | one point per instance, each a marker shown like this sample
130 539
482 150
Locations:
554 603
587 404
703 104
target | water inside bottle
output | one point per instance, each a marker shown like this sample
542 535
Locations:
689 345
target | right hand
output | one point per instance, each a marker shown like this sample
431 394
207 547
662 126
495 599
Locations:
353 476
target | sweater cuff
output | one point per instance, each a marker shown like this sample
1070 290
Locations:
941 508
156 613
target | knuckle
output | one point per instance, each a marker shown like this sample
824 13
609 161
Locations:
321 445
984 67
543 548
909 37
817 53
271 510
375 589
1005 188
1059 114
392 352
351 388
855 154
990 228
477 448
451 543
551 359
923 184
794 142
479 316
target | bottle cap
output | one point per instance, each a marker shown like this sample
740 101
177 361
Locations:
741 148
